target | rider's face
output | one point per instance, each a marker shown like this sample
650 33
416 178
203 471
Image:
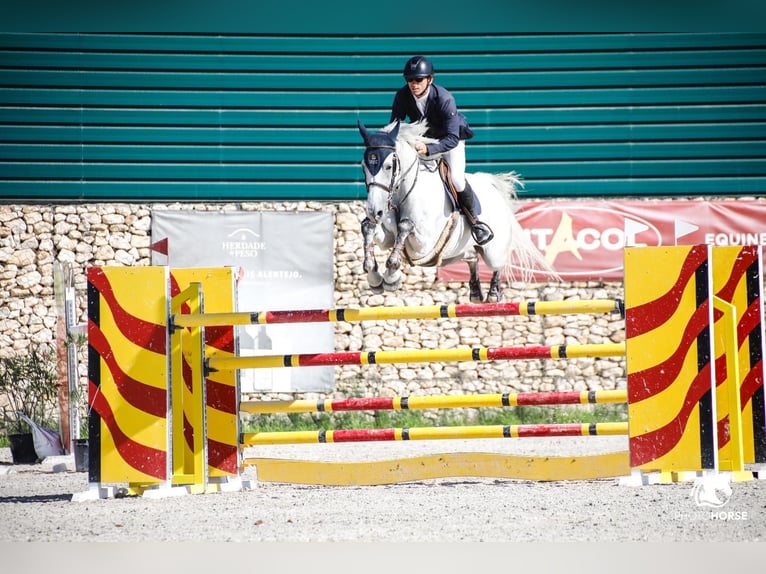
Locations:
418 86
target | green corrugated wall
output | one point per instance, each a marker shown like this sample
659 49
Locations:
153 117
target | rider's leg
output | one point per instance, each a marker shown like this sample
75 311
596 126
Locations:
481 231
456 159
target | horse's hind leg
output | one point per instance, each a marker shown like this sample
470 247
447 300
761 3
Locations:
494 288
474 285
370 265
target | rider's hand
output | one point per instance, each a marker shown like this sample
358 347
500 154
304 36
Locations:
421 148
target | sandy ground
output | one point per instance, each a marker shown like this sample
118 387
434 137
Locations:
36 505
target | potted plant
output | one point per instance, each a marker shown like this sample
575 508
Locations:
28 386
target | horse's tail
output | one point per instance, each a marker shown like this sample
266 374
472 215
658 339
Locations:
524 260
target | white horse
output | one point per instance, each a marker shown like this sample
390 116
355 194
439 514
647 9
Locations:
410 214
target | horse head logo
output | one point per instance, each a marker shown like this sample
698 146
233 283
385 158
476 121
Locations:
713 491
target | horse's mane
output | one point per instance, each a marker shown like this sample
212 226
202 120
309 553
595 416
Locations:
411 134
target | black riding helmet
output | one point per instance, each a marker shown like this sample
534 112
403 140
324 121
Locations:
418 67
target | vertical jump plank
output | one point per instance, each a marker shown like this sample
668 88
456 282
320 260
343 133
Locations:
668 322
222 388
737 280
128 370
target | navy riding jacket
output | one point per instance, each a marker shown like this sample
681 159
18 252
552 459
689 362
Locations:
445 123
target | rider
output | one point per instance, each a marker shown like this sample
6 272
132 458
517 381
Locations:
421 98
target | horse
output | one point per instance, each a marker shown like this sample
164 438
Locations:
409 214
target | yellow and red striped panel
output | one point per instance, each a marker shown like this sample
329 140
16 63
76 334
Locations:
668 311
127 367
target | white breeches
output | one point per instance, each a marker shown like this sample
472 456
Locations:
456 160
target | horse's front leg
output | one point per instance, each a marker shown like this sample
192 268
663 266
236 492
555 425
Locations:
403 230
368 231
370 265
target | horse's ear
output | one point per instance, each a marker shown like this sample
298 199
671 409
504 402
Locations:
395 130
363 131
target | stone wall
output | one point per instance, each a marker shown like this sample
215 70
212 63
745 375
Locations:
34 236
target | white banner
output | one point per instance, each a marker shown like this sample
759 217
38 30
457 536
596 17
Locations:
287 264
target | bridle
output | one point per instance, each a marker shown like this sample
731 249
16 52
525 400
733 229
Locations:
393 186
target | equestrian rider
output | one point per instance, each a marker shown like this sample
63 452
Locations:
421 98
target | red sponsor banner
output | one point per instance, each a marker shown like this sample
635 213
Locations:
584 239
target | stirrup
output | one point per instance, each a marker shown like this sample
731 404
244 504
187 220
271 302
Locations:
481 233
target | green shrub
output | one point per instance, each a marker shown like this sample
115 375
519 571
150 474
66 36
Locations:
28 384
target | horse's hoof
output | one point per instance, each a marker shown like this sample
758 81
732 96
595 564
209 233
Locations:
392 286
377 289
475 296
375 281
494 296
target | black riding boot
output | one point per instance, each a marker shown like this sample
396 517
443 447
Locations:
481 231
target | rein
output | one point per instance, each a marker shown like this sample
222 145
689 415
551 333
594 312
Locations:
409 191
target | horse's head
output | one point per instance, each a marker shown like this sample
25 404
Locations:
381 168
380 147
390 164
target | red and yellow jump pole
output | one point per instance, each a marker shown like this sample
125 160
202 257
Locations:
434 433
417 356
400 313
435 402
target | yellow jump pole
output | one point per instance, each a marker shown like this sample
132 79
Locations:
192 406
736 455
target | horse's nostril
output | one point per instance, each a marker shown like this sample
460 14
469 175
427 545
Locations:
379 215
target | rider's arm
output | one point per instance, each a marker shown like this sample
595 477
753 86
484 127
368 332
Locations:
398 107
446 109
